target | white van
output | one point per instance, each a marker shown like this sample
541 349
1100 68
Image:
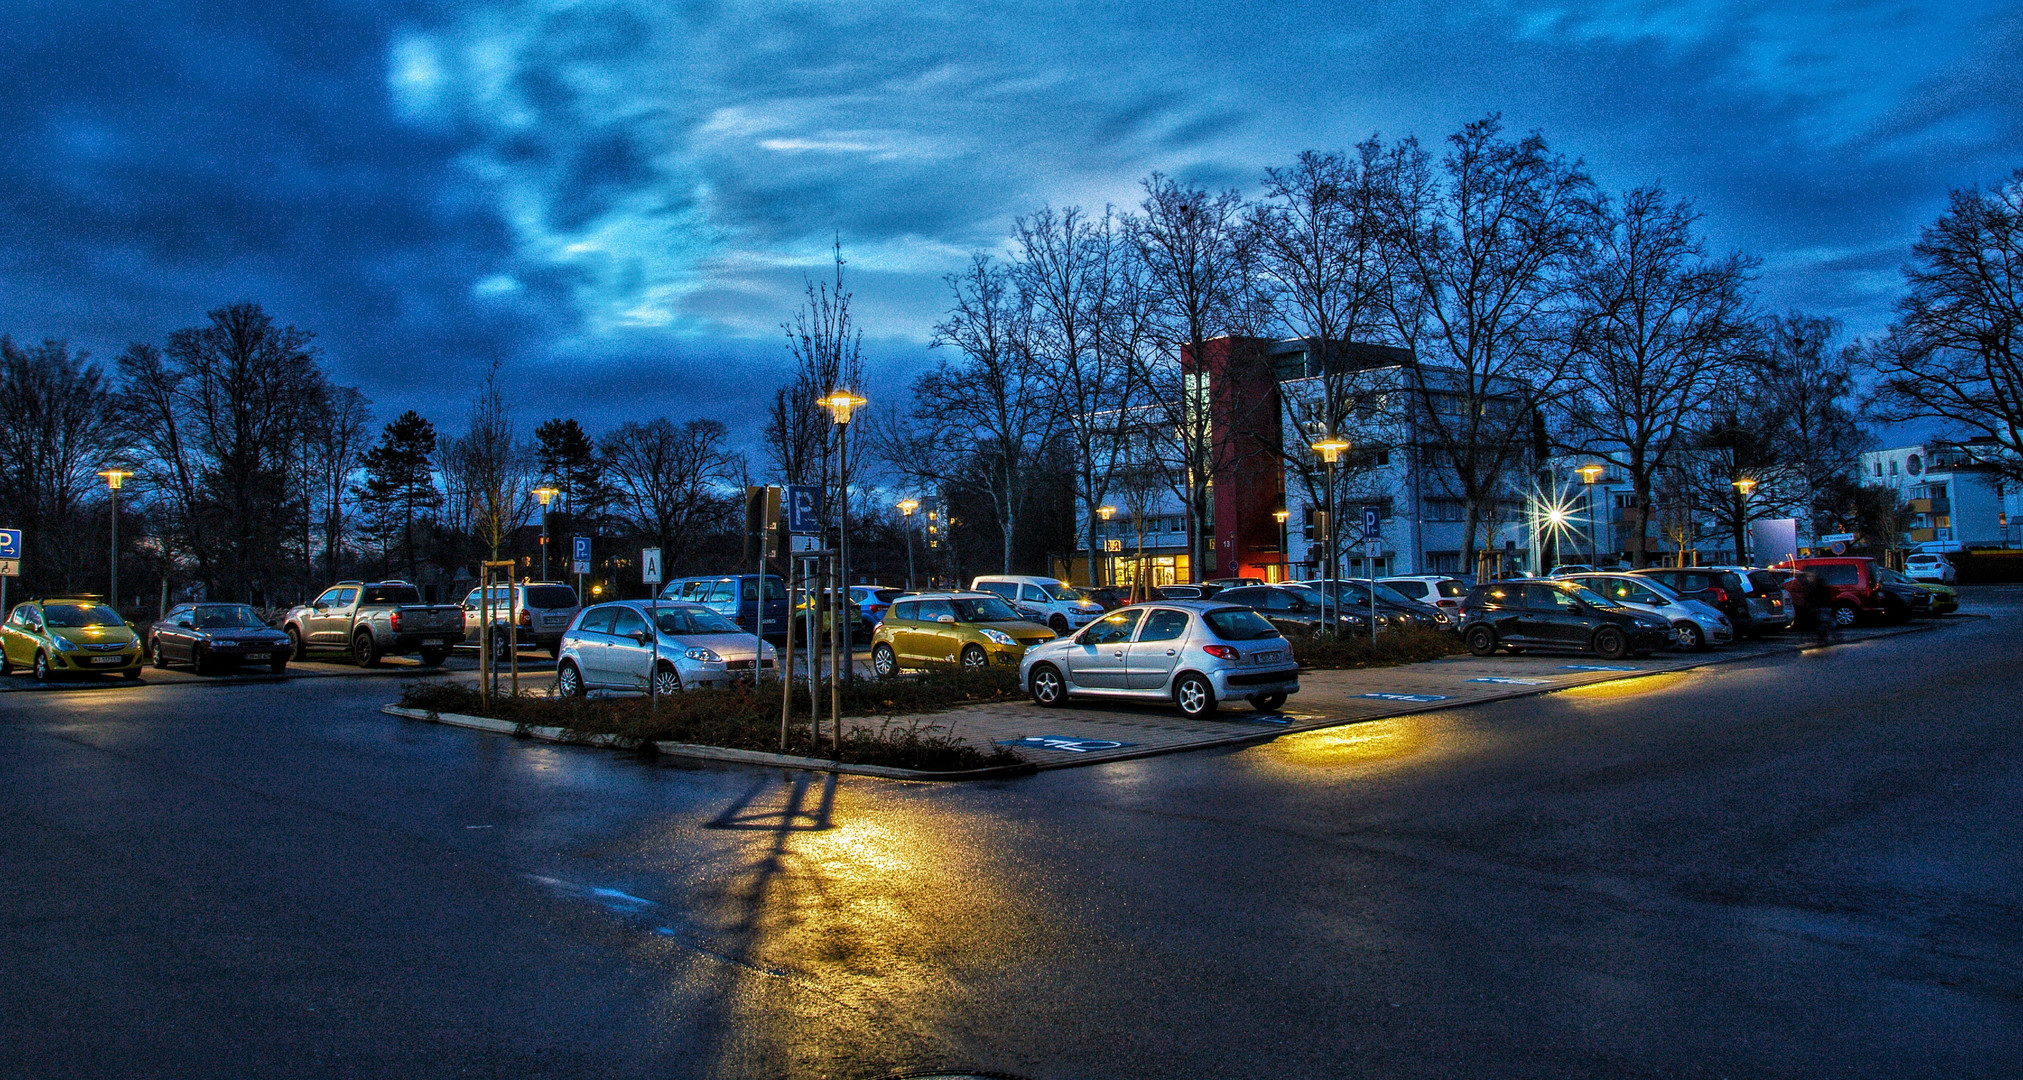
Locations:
1051 600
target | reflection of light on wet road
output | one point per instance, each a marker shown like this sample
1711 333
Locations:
1623 688
1352 744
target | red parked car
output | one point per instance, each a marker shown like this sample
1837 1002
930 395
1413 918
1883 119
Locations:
1857 588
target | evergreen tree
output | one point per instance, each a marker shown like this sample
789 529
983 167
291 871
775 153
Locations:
400 485
567 457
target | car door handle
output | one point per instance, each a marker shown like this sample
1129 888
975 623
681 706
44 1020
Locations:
1173 652
1119 653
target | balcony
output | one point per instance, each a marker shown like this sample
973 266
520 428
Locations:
1930 506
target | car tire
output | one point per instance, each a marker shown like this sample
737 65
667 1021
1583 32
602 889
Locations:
200 663
155 655
434 657
1194 695
884 661
1481 640
974 658
666 680
1689 637
1047 687
1059 625
1271 702
1610 644
568 681
278 666
1845 614
131 674
6 665
42 672
296 650
364 650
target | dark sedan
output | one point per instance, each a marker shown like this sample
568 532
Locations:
1295 609
212 637
1393 607
1536 614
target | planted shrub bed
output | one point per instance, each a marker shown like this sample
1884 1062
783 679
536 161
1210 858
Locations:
875 728
1391 647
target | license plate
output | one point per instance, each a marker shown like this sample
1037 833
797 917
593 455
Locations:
433 641
258 656
1266 657
108 659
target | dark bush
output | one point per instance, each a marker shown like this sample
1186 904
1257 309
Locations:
748 717
1391 647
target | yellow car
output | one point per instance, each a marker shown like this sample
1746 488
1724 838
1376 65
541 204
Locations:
943 629
67 636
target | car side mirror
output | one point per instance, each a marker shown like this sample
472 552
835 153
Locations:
944 618
186 624
320 606
643 636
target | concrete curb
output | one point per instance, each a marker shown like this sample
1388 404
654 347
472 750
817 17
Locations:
701 753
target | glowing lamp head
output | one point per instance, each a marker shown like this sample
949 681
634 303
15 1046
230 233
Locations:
1280 515
1745 486
115 478
1332 448
546 493
908 506
841 403
1107 511
1590 473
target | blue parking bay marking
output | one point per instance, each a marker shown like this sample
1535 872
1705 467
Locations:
1597 667
1065 744
1513 682
1407 697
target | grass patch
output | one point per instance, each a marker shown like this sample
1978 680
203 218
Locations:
1392 647
875 731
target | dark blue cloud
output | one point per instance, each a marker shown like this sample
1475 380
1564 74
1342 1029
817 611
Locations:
619 200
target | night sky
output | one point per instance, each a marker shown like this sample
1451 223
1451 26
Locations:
619 201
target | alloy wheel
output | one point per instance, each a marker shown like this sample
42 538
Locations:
568 682
1047 687
973 657
884 661
1194 696
666 681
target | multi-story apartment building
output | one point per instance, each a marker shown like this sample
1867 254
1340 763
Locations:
1957 499
1267 488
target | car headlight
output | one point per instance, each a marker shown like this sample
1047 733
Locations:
998 636
706 656
63 644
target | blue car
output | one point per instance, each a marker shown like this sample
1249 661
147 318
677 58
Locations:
757 609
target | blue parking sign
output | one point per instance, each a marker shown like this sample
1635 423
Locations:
1371 526
804 508
580 556
10 543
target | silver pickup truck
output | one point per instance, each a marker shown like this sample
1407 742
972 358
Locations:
371 619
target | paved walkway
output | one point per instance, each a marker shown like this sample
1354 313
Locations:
1089 731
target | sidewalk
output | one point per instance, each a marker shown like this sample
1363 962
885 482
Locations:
1091 731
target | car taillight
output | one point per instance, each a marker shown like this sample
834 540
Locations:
526 617
1720 594
393 620
1221 652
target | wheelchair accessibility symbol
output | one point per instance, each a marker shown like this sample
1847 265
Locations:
1065 744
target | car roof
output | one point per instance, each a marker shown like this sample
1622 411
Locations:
946 594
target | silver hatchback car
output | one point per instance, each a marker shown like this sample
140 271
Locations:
1192 653
610 648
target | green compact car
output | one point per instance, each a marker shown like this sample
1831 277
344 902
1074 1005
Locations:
943 629
64 636
1945 598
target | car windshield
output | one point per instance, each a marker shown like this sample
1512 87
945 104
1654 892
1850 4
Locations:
226 617
1451 588
1589 596
681 621
1239 624
550 596
71 616
982 609
1392 596
1892 576
1057 591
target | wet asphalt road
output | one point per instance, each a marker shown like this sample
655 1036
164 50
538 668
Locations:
1793 867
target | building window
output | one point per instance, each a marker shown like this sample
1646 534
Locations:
1444 562
1446 510
1893 467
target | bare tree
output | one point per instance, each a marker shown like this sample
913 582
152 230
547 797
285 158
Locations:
1481 251
216 418
1953 352
827 349
1195 252
334 450
488 470
991 404
1070 274
669 479
1659 329
57 429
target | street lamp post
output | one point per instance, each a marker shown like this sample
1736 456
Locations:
1110 578
113 479
906 509
1743 488
1281 515
841 403
1331 449
1590 474
546 493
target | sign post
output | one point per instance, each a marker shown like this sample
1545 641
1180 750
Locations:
579 562
10 563
649 572
1372 536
